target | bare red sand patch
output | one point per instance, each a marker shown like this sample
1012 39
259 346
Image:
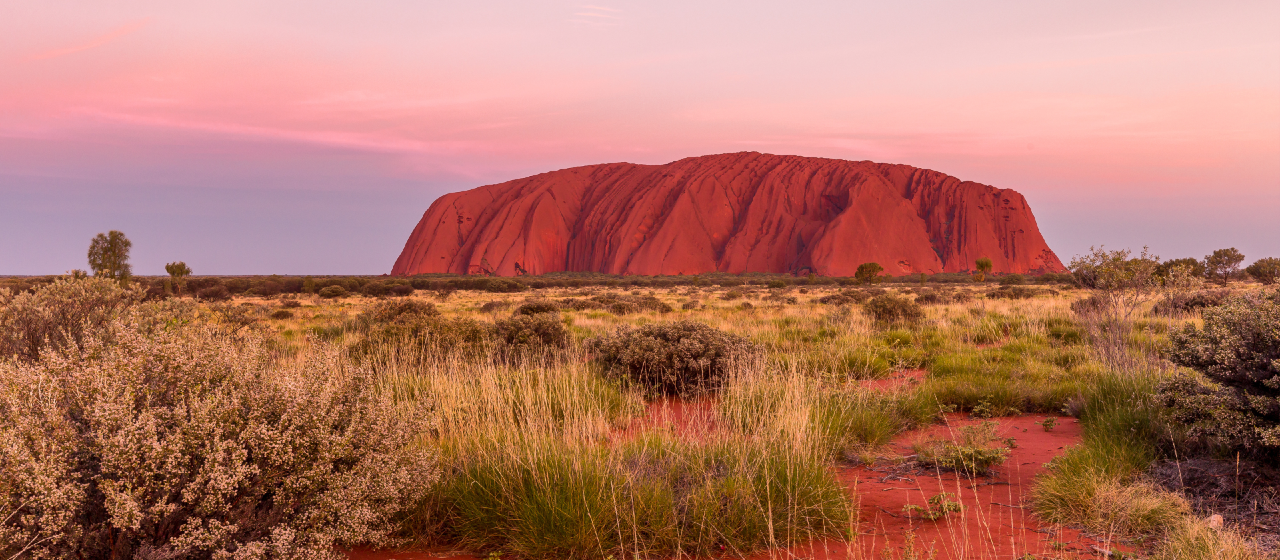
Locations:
996 522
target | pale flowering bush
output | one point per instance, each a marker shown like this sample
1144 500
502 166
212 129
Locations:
59 314
172 439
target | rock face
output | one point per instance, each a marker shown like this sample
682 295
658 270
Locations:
743 212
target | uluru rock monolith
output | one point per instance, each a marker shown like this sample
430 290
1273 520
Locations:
743 212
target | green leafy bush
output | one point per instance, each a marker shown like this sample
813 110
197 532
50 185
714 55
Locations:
1013 280
214 293
532 333
889 308
1237 404
330 292
388 311
181 442
627 304
537 306
1266 271
1176 303
684 357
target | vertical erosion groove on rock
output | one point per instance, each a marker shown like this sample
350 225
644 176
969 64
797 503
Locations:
743 212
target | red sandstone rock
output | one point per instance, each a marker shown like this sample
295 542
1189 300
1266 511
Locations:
744 212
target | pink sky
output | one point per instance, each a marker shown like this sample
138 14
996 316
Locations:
308 137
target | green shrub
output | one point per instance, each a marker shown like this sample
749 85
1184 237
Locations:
868 273
330 292
537 306
1238 350
683 357
932 298
376 289
388 311
972 454
494 306
214 293
1177 303
1013 280
181 442
627 304
1266 271
532 333
889 308
60 314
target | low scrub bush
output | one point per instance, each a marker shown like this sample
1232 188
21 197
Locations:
1238 351
532 333
214 293
683 357
1181 303
59 314
495 306
627 304
331 292
181 442
537 306
888 308
388 311
1017 292
844 298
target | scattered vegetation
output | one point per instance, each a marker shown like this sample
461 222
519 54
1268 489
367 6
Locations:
535 425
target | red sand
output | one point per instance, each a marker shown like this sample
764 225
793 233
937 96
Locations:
730 213
995 522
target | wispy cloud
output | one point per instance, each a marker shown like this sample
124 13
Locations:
597 15
95 42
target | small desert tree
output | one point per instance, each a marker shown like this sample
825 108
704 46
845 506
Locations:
1121 282
1266 271
868 273
1223 264
109 256
984 268
1195 267
178 271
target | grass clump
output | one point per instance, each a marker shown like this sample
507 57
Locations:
1194 539
654 495
678 358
